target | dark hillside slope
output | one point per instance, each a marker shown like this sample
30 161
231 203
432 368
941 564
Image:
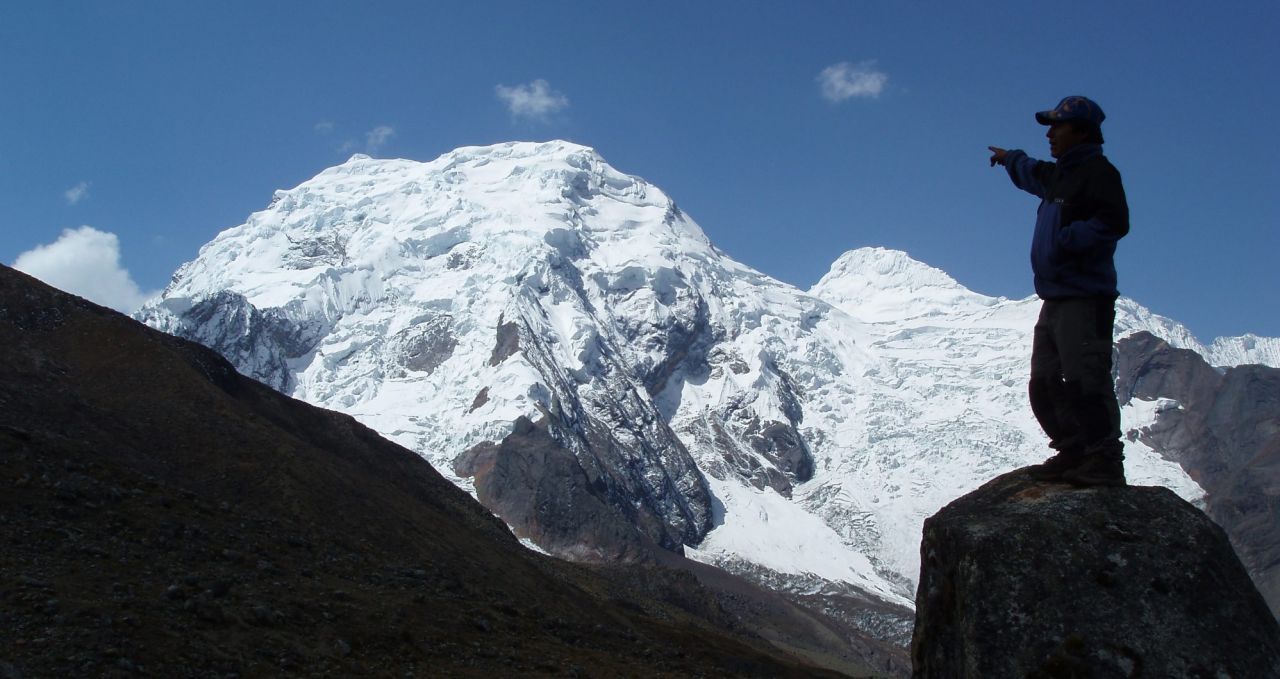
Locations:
161 514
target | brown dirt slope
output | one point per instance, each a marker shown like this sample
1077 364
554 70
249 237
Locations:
161 515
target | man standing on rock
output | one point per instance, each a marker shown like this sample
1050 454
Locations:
1081 216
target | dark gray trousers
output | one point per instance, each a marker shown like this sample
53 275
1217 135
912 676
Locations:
1071 389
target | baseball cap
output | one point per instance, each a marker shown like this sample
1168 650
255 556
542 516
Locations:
1073 108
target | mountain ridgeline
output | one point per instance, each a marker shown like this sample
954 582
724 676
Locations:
561 340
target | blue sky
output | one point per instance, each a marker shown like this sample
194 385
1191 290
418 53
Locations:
159 124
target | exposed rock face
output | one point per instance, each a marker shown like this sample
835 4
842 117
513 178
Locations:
508 343
243 334
1223 427
612 446
538 487
424 347
1024 579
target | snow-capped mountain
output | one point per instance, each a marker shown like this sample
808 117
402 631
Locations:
660 392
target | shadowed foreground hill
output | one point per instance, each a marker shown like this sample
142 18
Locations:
159 513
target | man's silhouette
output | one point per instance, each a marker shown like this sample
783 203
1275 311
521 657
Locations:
1081 216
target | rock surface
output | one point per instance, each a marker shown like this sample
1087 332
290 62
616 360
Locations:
1026 579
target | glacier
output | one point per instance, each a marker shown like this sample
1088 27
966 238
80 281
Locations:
798 436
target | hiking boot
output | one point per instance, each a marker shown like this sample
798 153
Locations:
1052 468
1098 469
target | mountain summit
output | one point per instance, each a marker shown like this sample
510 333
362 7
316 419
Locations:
877 284
441 302
561 340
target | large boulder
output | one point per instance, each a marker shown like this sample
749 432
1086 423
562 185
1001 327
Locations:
1027 579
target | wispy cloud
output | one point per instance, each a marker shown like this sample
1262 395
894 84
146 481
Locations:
845 80
535 101
376 138
324 127
77 193
85 262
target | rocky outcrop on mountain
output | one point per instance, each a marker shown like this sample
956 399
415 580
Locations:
245 335
1223 427
1028 579
162 515
632 459
539 488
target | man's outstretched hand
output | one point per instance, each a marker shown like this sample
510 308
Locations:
997 155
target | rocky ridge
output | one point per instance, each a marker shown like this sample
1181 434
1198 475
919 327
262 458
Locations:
1223 427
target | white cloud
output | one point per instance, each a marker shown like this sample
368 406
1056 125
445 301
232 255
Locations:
77 193
845 80
376 138
85 262
324 127
535 101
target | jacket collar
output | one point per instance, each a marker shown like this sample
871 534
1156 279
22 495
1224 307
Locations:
1079 154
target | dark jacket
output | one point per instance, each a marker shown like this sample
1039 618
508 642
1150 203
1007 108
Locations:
1082 214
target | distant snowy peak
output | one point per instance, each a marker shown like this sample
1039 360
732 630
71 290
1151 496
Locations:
1132 317
383 216
524 289
882 285
888 269
879 285
1245 349
1223 352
